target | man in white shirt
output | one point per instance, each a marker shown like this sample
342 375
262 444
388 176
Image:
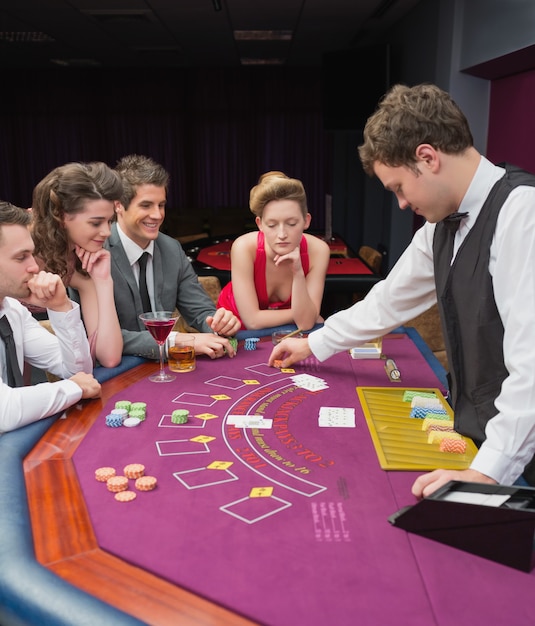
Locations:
65 354
418 143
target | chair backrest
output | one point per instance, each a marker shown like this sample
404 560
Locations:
429 326
372 257
212 286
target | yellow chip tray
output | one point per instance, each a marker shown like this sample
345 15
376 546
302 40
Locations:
399 440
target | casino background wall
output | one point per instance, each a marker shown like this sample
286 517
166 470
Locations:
217 130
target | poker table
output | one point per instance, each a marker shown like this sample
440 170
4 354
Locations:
346 273
275 524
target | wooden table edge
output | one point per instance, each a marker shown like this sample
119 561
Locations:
71 551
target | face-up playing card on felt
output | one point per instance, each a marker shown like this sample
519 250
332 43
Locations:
310 383
336 417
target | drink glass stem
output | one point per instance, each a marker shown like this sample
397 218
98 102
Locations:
161 359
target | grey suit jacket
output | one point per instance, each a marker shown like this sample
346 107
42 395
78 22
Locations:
175 286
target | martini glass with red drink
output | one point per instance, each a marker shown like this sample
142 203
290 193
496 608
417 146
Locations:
160 324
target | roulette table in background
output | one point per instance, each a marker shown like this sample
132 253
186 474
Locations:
346 274
214 253
278 526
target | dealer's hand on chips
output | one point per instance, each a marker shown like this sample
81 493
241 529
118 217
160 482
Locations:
290 351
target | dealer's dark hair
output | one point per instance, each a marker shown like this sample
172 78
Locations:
407 117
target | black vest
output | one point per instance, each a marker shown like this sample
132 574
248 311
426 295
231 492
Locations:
473 330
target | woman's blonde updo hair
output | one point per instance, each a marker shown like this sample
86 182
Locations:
277 186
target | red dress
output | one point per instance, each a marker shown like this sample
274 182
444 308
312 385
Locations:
226 297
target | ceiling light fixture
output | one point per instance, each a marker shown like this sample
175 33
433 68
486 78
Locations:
25 37
263 35
249 61
76 62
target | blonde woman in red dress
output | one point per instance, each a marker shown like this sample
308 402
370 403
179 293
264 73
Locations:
278 273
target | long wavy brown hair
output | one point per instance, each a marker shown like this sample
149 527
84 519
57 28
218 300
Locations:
65 191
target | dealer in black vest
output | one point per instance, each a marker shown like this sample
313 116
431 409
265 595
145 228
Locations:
475 255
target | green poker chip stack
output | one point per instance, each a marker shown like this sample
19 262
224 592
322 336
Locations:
234 343
408 395
138 410
138 405
179 416
134 409
139 414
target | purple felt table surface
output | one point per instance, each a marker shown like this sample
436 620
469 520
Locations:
286 525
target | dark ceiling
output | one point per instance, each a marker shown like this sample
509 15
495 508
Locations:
186 33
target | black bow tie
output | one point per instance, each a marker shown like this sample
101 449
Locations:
452 221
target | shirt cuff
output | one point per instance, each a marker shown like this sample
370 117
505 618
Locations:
62 316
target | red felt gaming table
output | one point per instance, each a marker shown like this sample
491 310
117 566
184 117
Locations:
280 526
215 255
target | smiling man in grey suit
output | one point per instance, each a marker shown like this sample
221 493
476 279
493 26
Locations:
171 281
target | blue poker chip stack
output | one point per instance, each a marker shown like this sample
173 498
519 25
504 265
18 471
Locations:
422 411
250 343
114 419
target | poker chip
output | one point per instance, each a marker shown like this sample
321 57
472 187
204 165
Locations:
132 421
444 427
277 363
134 470
423 412
123 404
457 446
103 474
436 436
429 403
250 343
117 483
138 405
432 421
146 483
435 410
125 496
179 416
409 394
234 343
139 414
114 420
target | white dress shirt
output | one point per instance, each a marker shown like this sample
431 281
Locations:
409 289
63 354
